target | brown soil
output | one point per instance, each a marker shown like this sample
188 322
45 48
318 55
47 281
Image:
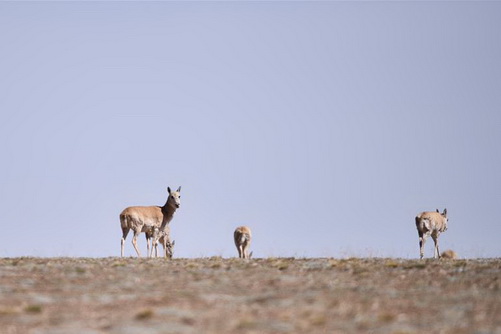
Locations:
273 295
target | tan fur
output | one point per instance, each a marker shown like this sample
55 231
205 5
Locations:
163 238
450 254
430 223
242 237
141 219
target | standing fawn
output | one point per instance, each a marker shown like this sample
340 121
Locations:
242 237
163 238
143 218
431 223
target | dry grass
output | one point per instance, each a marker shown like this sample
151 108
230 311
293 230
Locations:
273 295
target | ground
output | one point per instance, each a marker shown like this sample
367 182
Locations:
270 295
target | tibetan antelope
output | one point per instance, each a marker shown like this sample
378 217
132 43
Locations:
449 254
431 223
242 237
163 238
143 218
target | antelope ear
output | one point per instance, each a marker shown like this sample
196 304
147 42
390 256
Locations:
438 211
168 189
445 212
179 189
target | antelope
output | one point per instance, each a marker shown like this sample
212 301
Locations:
242 237
163 239
143 218
449 254
431 223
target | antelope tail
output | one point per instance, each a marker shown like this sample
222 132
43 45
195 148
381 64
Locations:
123 220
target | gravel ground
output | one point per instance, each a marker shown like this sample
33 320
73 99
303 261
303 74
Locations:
271 295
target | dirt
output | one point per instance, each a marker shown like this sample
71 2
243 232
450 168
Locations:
270 295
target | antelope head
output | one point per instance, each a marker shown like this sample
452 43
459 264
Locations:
174 197
446 220
169 248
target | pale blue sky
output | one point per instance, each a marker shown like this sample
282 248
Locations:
324 126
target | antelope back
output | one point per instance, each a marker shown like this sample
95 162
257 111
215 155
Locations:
432 220
242 234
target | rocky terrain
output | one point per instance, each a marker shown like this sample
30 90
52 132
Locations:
270 295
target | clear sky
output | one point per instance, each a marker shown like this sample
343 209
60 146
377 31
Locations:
324 126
